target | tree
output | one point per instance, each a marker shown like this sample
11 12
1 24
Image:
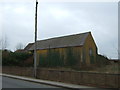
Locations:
4 43
0 43
118 53
19 46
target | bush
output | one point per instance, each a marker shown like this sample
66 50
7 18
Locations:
102 60
14 58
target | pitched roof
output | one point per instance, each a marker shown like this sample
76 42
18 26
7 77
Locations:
28 46
65 41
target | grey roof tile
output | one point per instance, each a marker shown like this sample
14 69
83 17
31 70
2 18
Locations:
65 41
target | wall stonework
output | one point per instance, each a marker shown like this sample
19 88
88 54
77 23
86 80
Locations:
105 80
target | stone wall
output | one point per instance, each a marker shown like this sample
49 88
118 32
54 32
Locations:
21 71
105 80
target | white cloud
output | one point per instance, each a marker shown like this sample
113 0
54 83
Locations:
59 13
20 10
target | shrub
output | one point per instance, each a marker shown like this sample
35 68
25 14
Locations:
14 58
102 60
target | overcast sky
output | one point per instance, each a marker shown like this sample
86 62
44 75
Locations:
60 19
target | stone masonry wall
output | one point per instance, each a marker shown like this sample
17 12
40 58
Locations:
104 80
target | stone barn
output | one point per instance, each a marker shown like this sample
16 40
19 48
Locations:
78 49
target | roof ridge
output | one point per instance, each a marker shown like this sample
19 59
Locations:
64 36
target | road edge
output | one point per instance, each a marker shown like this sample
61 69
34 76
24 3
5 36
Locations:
52 83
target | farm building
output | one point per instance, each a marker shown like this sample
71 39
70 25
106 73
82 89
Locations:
28 46
78 49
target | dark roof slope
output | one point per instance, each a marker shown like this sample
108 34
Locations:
65 41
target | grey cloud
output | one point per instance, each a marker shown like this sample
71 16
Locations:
99 18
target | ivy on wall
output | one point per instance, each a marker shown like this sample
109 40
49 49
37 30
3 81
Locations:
71 57
54 58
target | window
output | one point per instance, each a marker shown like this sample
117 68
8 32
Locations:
90 52
91 56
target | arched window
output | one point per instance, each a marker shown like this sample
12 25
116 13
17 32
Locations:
90 51
91 56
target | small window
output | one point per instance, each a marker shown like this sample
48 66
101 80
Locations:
81 57
90 52
91 56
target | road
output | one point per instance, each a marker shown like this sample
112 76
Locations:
15 83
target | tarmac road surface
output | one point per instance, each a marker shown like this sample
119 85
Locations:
8 82
16 83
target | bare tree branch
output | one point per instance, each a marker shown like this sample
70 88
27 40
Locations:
19 46
4 43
